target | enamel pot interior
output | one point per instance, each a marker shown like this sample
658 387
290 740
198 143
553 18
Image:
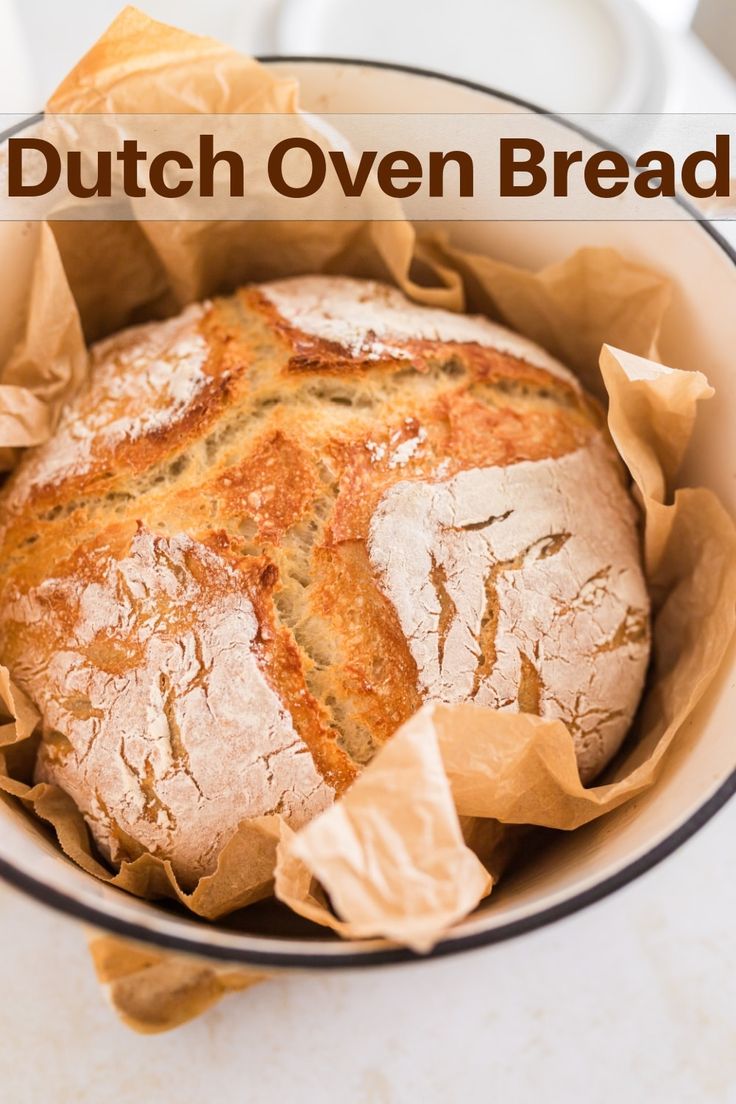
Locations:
570 870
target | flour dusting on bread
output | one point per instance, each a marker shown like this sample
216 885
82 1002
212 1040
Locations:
507 590
142 380
376 321
184 739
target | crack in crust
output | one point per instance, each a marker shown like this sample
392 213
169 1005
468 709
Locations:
523 633
194 738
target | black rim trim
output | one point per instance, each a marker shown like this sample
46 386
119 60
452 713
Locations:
386 955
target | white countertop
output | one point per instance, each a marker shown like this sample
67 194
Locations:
633 998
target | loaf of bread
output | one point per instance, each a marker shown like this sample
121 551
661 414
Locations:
268 529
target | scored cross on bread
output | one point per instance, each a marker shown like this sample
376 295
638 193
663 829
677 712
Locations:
267 530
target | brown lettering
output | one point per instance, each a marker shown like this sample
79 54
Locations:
276 167
207 161
720 160
16 149
509 166
606 165
156 174
655 180
437 162
390 169
561 162
130 155
352 186
103 182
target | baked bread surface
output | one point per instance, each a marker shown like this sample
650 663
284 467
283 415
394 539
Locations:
268 529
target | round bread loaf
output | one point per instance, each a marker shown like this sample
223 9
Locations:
268 529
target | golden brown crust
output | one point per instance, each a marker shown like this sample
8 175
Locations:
273 455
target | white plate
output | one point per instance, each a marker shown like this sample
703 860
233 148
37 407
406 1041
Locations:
566 55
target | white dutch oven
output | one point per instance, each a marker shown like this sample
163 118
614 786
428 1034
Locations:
700 772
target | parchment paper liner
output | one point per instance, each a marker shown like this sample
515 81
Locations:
392 866
152 991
